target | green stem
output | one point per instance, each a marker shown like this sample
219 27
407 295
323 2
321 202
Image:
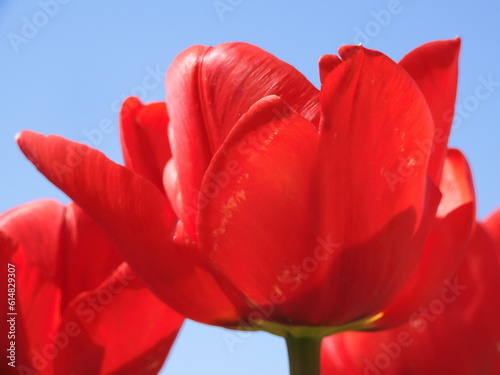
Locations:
303 355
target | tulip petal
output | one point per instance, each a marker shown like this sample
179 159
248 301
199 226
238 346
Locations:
187 127
135 215
434 67
50 248
256 198
81 244
30 242
446 244
209 89
118 328
375 200
144 138
372 114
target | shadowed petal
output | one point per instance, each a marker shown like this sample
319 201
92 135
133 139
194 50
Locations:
446 244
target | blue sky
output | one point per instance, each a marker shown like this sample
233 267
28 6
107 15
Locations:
66 65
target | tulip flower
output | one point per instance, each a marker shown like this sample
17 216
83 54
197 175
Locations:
302 212
73 306
457 332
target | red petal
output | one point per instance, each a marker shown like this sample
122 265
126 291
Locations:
255 216
375 199
372 115
187 128
446 244
32 231
144 138
209 89
434 67
138 217
83 242
44 253
118 328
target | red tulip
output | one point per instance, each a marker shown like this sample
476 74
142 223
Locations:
296 206
74 307
455 333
